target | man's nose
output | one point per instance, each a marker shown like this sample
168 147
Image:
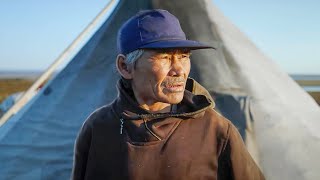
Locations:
177 68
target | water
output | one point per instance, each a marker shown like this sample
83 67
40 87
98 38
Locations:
312 88
305 77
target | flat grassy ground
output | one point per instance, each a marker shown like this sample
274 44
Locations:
316 96
10 86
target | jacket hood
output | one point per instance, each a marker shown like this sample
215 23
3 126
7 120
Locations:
196 99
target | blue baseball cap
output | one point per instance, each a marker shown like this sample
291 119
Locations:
154 29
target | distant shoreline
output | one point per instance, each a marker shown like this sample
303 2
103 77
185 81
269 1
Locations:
310 83
31 75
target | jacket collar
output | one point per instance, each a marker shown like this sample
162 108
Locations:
191 105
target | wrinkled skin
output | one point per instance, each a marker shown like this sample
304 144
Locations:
158 78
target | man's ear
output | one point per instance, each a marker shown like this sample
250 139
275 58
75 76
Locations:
122 67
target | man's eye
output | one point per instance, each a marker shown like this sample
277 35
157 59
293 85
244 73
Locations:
185 56
165 57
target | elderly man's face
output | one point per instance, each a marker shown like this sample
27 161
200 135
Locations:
160 76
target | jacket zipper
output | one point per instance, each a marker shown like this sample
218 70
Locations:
121 125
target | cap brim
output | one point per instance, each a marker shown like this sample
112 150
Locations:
188 44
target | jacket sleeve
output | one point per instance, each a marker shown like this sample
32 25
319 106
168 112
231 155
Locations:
235 162
81 150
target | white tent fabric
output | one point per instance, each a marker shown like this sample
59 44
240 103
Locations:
286 119
37 143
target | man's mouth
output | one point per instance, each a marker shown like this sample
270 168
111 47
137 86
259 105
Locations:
175 87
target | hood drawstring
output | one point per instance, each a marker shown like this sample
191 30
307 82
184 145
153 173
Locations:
146 126
150 131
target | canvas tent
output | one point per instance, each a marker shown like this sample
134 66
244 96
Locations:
278 120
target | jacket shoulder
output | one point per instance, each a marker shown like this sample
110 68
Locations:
102 115
221 124
235 162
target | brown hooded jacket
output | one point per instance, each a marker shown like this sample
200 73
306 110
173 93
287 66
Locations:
124 141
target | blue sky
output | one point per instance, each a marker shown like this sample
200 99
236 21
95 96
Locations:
287 31
34 33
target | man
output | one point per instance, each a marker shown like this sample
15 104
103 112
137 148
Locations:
162 125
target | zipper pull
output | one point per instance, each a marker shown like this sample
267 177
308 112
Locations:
121 125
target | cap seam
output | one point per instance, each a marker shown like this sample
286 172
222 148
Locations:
139 30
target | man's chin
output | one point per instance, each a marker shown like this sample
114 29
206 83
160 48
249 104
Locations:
174 98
